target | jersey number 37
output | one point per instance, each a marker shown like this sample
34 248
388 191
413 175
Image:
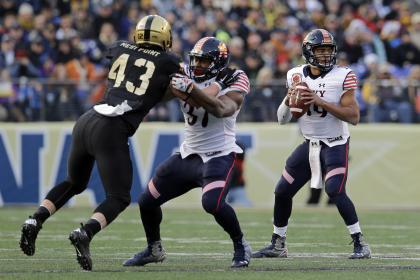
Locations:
118 69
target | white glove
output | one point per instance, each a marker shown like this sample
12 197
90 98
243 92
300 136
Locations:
182 83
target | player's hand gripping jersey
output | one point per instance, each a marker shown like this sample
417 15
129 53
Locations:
317 123
205 134
137 80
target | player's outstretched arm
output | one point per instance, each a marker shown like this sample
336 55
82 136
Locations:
168 95
223 106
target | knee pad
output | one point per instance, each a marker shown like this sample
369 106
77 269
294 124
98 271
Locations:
210 201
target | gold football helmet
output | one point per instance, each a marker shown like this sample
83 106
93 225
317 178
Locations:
154 30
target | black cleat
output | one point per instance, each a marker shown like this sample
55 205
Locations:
277 249
242 255
80 240
30 229
361 248
153 253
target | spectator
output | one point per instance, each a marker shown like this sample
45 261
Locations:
278 37
50 43
8 21
7 54
36 54
16 31
235 27
405 52
265 98
66 30
104 14
83 23
22 66
84 73
107 35
29 98
272 9
241 8
127 22
8 99
388 102
8 7
26 16
65 52
332 24
267 51
253 64
415 29
237 52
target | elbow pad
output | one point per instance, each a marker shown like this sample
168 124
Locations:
283 113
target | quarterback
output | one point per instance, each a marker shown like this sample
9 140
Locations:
323 156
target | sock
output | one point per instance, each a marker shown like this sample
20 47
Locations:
238 238
41 214
354 228
280 230
92 227
237 242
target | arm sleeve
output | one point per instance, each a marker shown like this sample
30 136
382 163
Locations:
242 84
283 113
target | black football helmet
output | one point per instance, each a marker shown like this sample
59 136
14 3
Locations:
210 48
319 38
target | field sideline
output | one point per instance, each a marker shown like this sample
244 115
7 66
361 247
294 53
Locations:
198 248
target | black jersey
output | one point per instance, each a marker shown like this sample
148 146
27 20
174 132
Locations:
137 80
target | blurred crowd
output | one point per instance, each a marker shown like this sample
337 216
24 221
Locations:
52 66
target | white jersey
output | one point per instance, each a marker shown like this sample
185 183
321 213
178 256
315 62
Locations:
206 135
317 123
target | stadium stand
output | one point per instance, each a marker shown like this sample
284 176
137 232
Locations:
52 67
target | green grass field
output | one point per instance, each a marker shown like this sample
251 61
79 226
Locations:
198 248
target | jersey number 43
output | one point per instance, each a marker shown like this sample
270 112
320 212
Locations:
118 69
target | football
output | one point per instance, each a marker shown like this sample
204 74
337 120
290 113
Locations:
296 104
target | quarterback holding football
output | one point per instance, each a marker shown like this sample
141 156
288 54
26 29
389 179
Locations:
323 156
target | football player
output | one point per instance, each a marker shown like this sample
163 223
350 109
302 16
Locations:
325 150
138 78
207 154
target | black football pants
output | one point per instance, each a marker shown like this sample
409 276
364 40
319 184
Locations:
104 139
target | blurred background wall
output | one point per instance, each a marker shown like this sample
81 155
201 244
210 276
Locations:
383 169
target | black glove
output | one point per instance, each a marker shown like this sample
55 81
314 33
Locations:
227 77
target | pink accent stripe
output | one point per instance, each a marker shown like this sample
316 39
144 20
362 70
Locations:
152 189
213 185
347 161
288 177
335 171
